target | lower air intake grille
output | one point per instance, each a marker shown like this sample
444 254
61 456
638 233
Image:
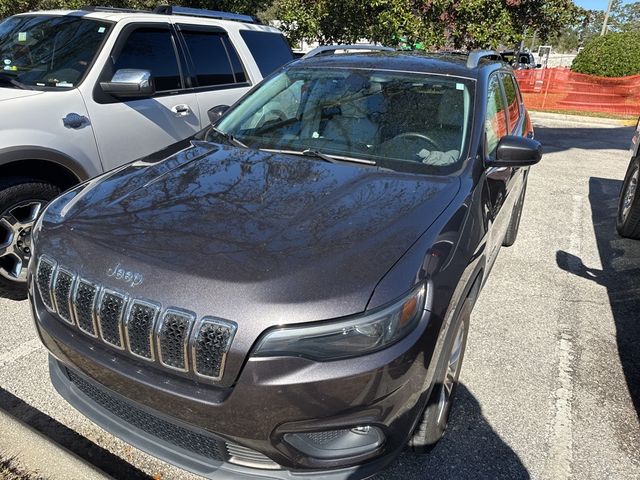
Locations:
172 338
211 347
43 278
110 317
62 294
205 446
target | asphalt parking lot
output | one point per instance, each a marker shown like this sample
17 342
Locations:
550 387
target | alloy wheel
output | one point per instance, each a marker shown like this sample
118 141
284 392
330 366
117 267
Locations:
16 224
630 193
451 377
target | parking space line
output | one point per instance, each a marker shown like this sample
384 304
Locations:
20 351
561 451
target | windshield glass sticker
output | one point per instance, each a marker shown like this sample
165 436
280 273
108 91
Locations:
22 36
459 86
101 30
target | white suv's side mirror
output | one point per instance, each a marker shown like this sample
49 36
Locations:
130 82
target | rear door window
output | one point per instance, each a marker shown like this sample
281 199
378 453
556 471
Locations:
152 48
269 50
213 58
513 100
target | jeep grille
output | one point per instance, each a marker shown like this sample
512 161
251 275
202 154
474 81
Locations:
171 337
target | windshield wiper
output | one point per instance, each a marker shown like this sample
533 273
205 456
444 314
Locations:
7 78
229 137
315 153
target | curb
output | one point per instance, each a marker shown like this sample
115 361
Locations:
40 456
617 122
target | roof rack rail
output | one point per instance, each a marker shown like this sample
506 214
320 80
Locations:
331 49
198 12
476 55
99 8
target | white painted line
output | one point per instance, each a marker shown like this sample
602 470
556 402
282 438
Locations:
20 351
561 442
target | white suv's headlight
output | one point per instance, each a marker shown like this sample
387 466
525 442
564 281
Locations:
358 335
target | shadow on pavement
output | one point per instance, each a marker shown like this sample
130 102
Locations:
620 274
470 449
69 439
559 139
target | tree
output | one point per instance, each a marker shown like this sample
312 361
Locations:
610 55
438 23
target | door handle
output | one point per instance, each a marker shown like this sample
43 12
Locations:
181 110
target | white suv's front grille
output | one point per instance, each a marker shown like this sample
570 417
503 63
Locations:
172 337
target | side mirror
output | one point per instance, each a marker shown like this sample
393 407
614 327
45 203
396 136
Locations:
129 82
515 151
216 113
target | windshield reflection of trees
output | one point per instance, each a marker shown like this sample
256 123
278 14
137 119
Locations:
254 209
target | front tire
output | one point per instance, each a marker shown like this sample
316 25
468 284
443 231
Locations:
628 218
435 417
21 201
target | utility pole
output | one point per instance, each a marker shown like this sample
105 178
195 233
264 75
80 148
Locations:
606 18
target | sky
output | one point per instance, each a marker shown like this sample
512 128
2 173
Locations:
596 4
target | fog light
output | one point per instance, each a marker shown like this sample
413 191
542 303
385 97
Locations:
332 444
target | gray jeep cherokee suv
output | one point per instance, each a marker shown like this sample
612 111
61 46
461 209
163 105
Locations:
289 292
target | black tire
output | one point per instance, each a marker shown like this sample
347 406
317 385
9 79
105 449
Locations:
514 224
628 217
435 418
13 191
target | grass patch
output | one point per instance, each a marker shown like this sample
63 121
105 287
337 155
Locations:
10 471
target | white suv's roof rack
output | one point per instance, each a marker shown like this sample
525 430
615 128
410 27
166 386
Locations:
173 10
199 12
331 49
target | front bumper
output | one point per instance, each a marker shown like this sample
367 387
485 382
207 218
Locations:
272 397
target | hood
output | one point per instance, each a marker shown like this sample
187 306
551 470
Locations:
246 235
11 93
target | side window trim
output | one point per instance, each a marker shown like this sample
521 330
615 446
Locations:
182 27
107 70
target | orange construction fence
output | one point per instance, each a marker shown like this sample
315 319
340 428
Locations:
562 89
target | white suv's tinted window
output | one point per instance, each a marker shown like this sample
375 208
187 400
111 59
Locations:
210 55
269 50
152 49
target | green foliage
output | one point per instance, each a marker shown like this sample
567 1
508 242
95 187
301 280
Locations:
437 23
611 55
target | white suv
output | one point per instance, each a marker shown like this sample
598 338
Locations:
84 91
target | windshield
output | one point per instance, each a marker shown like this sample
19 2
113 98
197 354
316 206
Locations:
49 51
397 120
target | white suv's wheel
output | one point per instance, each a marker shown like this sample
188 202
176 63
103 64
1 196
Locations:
21 201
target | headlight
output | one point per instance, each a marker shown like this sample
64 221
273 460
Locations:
356 336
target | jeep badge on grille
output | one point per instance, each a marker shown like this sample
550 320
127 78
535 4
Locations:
128 276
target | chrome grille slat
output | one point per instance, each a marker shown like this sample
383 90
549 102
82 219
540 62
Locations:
62 289
110 312
44 277
173 337
139 323
211 343
84 301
